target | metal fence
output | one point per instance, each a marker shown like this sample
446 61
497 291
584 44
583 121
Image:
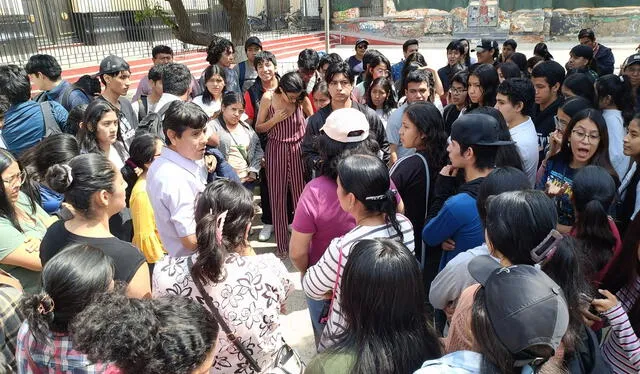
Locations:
80 32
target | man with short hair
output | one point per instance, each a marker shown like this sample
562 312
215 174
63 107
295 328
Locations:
266 65
603 55
115 75
516 100
308 61
46 75
221 52
455 50
355 61
246 70
25 122
547 78
161 55
178 176
408 47
416 88
453 219
176 85
508 49
145 102
340 89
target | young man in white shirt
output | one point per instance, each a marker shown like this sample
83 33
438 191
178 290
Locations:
515 100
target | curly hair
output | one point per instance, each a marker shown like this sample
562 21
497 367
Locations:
216 48
165 335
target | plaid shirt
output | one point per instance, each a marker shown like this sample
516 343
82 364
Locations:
10 320
55 356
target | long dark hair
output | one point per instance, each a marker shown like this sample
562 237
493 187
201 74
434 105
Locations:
141 151
367 178
427 118
593 192
83 176
581 86
209 72
7 208
70 281
87 134
386 84
217 198
625 270
388 330
518 221
292 82
228 98
375 58
541 50
489 82
601 156
619 87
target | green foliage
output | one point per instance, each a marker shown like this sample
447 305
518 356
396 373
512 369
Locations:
155 11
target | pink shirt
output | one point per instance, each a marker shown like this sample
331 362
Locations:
319 213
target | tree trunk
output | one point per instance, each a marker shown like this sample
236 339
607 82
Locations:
183 30
237 11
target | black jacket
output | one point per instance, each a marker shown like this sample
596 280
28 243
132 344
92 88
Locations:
310 154
604 60
545 124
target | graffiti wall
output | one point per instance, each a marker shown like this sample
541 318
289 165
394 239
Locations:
507 5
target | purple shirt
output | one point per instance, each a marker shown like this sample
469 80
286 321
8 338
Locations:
173 184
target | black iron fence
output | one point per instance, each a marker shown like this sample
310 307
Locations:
80 32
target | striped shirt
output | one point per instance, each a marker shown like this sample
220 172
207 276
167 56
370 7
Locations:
321 277
621 347
290 130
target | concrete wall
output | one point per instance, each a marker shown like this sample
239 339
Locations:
535 23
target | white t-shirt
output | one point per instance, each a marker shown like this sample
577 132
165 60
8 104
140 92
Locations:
526 140
615 130
210 108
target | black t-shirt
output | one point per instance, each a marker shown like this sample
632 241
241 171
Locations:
126 258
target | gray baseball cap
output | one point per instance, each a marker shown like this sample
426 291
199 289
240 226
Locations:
525 306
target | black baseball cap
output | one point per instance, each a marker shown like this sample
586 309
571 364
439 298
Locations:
525 306
252 40
360 41
486 44
477 129
113 64
633 59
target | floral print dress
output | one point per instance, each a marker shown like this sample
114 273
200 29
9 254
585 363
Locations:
250 299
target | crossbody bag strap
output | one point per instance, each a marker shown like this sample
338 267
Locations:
216 314
335 284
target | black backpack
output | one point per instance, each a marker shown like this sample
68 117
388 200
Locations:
51 126
152 123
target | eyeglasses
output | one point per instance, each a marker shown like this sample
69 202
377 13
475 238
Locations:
455 91
18 179
362 46
560 124
581 135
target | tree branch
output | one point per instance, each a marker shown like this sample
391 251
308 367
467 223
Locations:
183 31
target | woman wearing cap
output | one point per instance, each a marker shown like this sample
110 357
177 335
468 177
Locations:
620 306
355 61
585 142
520 230
319 218
282 117
581 60
511 339
415 175
393 337
364 191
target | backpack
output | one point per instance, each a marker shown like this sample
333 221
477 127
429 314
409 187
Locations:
242 72
143 107
51 126
152 123
64 98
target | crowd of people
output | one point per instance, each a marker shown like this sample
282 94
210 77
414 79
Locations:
477 218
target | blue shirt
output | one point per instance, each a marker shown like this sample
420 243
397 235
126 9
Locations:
459 220
51 200
394 123
459 362
24 125
396 70
76 97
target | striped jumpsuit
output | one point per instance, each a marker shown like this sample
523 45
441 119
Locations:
284 171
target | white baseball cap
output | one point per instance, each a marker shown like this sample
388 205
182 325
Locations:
346 125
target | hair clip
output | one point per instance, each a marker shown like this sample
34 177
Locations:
547 248
376 197
220 226
42 309
69 174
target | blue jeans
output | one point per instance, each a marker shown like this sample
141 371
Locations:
315 309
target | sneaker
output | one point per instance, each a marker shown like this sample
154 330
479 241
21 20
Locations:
265 233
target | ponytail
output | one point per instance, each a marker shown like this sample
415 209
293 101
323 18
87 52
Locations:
592 228
38 311
212 252
385 203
